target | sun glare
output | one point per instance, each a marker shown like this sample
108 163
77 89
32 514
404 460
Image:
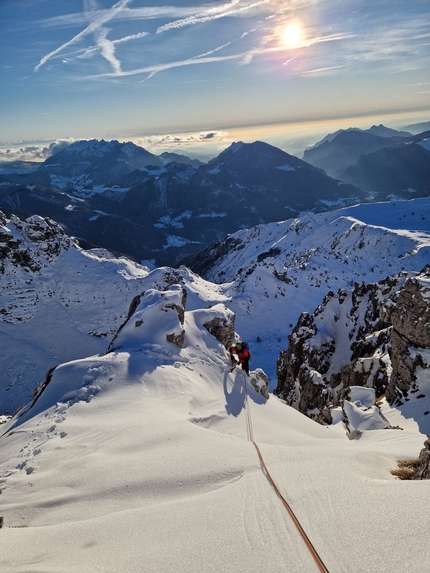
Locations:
292 34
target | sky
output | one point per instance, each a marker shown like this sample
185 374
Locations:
195 76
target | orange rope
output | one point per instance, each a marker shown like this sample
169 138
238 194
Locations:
300 529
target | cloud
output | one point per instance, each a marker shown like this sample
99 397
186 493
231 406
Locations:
107 48
322 70
34 152
96 20
148 13
181 139
374 38
212 14
156 68
132 37
94 27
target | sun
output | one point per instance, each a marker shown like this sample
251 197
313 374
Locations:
292 34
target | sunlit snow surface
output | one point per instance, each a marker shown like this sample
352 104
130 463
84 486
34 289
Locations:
74 305
140 461
279 270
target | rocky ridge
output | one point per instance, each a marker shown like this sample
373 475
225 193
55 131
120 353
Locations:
375 336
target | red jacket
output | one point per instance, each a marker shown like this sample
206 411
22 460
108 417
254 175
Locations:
242 354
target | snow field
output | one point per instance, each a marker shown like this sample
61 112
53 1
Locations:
139 461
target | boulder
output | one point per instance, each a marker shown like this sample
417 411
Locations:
223 329
424 461
260 382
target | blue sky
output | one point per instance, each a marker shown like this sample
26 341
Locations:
197 75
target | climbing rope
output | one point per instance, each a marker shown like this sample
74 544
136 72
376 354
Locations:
296 522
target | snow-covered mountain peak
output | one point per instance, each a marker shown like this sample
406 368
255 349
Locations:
276 271
235 147
149 326
91 148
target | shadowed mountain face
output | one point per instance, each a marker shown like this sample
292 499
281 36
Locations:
121 197
401 169
376 161
344 150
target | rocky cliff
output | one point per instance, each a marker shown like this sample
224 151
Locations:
376 335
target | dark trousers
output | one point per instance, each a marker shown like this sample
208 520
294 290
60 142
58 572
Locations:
245 365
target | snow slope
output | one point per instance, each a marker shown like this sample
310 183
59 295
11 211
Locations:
58 302
274 272
73 304
140 460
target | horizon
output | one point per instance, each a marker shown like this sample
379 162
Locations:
293 138
193 79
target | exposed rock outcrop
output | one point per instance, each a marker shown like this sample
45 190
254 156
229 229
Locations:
410 317
30 244
369 337
146 311
342 344
260 382
424 461
222 329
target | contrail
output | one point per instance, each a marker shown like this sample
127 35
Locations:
92 27
208 17
107 49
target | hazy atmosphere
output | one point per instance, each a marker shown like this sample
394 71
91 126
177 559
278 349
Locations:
195 76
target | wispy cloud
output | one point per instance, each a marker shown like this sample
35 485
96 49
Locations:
152 70
368 40
167 141
148 13
97 19
107 48
322 70
131 37
232 9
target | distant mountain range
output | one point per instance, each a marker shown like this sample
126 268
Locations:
379 160
378 130
164 209
339 150
416 128
400 169
123 198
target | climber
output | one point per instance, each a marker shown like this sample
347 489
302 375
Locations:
241 350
